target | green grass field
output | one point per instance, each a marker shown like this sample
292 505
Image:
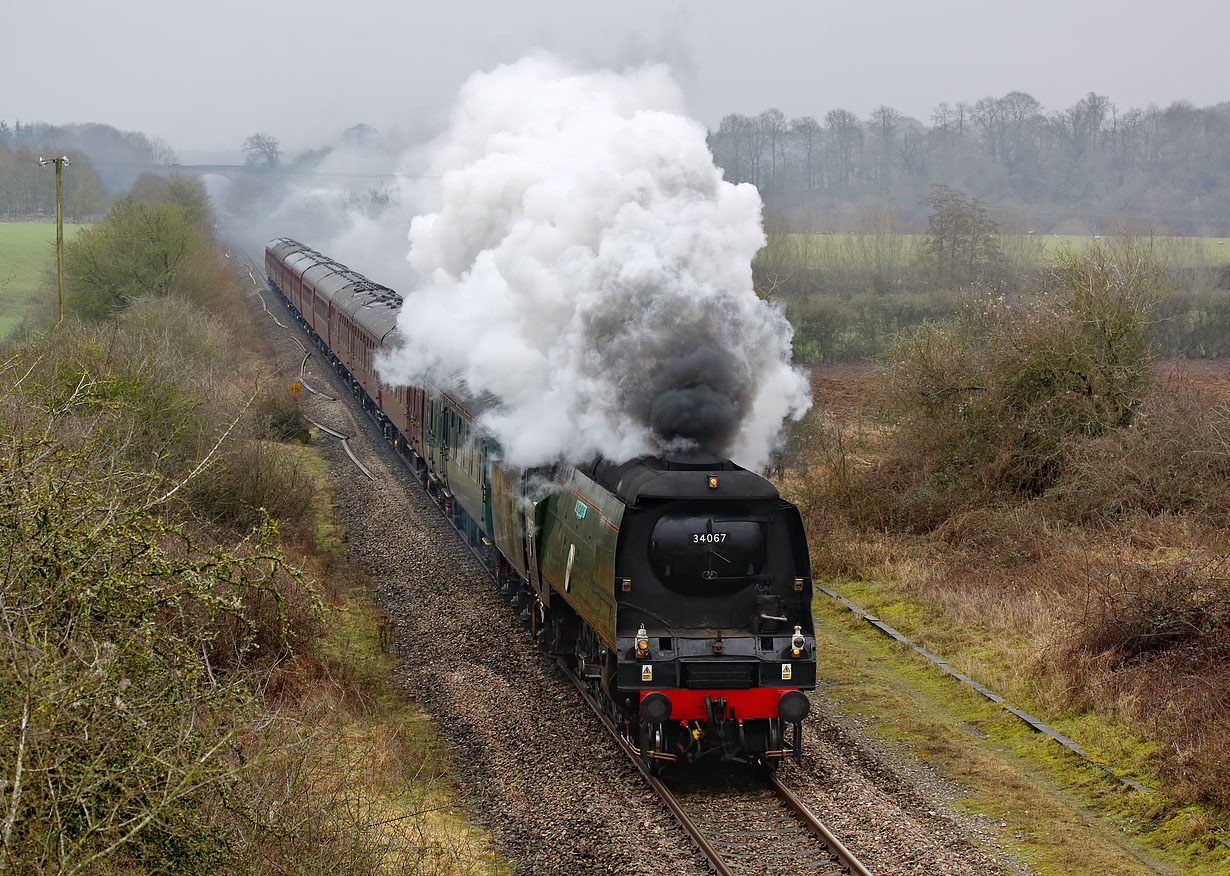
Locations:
27 249
821 248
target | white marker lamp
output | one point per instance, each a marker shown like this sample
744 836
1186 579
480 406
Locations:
642 643
797 642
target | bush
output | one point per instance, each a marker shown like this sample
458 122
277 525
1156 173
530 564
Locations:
170 701
138 249
174 326
130 664
157 243
1175 459
991 404
1152 641
1012 424
182 191
129 387
251 479
156 390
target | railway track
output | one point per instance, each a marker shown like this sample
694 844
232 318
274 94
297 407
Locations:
743 823
760 828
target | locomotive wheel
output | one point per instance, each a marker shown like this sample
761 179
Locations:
653 739
545 638
777 735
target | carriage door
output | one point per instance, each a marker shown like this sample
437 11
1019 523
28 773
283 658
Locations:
484 477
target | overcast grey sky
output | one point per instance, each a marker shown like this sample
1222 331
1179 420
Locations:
205 75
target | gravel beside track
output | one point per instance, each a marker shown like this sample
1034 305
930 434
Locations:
894 813
532 762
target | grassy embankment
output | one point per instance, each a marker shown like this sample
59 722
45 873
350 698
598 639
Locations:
1031 501
193 680
24 260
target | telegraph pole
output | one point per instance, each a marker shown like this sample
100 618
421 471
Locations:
59 163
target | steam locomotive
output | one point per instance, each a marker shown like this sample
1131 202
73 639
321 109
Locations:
679 588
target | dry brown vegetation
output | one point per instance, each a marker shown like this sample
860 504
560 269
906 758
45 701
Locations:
190 682
1030 473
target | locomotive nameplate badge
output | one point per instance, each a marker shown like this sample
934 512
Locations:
646 673
786 672
580 509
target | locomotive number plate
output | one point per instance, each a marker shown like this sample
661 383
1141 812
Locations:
708 537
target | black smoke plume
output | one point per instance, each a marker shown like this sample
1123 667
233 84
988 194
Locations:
695 398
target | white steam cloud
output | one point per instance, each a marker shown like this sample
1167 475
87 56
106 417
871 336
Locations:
589 267
351 200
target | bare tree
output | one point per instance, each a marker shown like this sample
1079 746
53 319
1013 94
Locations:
262 150
884 124
806 131
943 119
962 245
877 251
846 136
1023 117
162 151
1080 125
772 124
732 138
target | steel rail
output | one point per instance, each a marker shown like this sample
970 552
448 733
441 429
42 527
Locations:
695 834
664 793
264 305
345 446
307 354
818 829
303 375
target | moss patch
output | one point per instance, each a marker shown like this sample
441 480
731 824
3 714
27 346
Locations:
1063 815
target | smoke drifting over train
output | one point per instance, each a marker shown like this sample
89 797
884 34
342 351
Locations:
588 266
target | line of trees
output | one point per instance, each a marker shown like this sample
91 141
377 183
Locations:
105 161
28 191
1075 169
850 295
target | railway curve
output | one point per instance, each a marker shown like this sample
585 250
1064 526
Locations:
570 804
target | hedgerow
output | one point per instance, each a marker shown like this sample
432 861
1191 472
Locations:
130 659
175 694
